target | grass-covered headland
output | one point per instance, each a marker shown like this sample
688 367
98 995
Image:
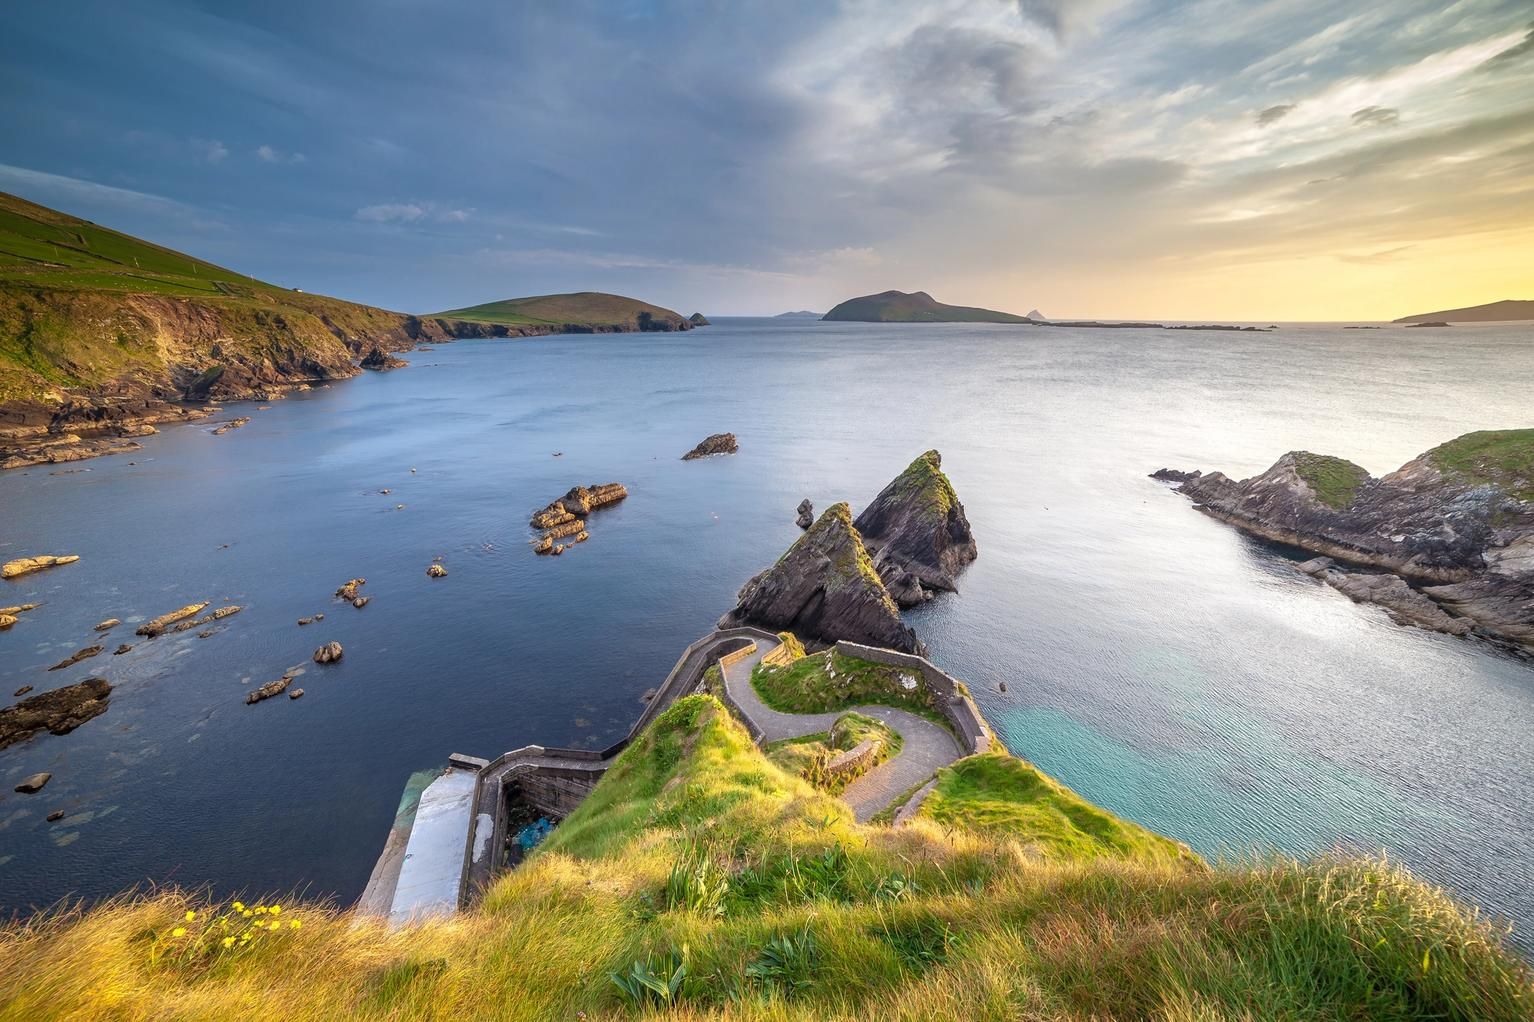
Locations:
701 881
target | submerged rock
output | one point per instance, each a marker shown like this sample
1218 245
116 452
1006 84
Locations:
328 653
806 516
825 588
917 532
231 424
1457 520
59 711
26 565
76 657
718 443
120 650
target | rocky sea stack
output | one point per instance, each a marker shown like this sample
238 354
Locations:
698 319
825 588
1457 522
719 443
917 533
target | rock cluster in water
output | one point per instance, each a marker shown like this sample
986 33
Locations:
59 711
1450 535
158 625
718 443
823 589
917 533
380 360
26 565
566 517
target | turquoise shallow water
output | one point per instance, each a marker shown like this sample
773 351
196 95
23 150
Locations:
1155 660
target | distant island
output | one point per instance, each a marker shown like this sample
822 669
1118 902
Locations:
915 307
106 334
581 312
801 314
920 307
1507 311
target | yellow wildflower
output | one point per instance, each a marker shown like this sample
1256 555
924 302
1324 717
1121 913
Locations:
239 906
244 937
246 913
276 910
190 915
179 931
293 924
260 910
228 942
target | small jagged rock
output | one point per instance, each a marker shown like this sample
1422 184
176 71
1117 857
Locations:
267 691
7 620
23 690
120 650
55 816
297 693
328 653
1174 475
223 612
806 514
34 784
380 360
436 571
108 624
348 590
718 443
231 425
361 601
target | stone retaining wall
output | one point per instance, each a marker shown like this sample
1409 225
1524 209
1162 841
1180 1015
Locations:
949 694
731 659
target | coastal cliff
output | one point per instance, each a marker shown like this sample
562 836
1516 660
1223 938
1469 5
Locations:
917 533
1456 521
825 588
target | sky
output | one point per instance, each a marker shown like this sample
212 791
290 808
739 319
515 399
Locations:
1234 159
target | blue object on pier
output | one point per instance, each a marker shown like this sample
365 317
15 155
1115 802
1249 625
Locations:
529 836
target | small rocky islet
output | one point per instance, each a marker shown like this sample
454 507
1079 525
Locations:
1446 541
566 517
834 582
718 443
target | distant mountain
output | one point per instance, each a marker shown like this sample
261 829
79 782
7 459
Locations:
1495 312
578 312
1037 316
801 314
916 307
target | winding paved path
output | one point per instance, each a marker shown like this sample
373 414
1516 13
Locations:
925 746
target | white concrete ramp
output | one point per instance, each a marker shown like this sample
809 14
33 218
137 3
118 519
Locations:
432 869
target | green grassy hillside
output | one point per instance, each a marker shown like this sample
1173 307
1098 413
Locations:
1500 457
701 881
915 307
592 308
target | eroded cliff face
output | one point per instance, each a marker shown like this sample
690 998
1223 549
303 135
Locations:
917 533
1457 521
825 588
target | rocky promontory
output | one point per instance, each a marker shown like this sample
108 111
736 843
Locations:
1454 526
917 533
825 588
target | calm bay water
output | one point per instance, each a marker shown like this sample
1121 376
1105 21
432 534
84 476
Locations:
1157 661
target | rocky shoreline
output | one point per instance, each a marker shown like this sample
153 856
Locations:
199 368
1449 535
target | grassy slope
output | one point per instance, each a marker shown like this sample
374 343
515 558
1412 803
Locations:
695 845
1335 481
1503 458
915 307
78 305
585 307
924 485
807 686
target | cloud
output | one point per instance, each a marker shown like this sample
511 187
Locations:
456 216
1512 54
1375 258
271 154
1273 113
1066 18
390 212
1376 117
215 152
